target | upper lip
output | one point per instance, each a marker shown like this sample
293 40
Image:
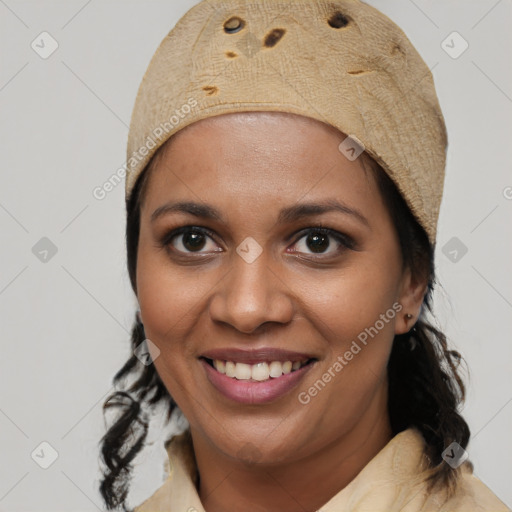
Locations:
253 356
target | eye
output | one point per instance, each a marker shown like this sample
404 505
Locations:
323 241
317 240
191 239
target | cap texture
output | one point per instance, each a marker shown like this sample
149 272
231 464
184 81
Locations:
341 62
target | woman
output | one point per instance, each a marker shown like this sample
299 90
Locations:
286 166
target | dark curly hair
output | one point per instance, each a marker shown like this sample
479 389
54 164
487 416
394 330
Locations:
425 386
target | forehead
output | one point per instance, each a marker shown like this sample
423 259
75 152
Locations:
260 158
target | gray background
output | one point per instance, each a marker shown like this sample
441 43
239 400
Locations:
65 321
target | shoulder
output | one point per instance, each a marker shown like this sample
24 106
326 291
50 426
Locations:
396 479
472 494
469 494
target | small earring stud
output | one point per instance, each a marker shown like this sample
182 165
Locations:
408 316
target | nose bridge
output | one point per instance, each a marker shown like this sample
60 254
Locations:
251 295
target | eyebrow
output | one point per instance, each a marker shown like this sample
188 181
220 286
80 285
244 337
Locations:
288 214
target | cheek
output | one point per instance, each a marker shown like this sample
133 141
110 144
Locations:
169 302
169 297
350 301
355 311
355 316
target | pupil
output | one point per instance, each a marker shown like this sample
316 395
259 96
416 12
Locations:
193 240
317 242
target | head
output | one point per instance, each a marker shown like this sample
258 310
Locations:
321 282
282 242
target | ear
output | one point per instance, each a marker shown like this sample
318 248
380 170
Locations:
412 293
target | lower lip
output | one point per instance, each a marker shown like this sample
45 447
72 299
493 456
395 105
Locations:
252 392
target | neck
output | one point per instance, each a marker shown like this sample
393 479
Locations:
299 486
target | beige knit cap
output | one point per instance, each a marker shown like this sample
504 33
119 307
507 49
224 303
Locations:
341 62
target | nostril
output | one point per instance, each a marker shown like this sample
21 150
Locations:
234 25
338 20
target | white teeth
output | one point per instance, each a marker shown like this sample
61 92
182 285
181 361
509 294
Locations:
259 371
276 369
243 371
287 367
230 369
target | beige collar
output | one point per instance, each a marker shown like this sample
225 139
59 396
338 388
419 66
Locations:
392 481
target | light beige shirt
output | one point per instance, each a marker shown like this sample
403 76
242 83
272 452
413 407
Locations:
391 482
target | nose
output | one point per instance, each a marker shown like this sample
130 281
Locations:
250 295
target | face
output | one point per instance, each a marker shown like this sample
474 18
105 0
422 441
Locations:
262 247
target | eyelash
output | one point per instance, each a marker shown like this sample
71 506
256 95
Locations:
345 241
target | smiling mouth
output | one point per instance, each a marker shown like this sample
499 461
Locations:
259 372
